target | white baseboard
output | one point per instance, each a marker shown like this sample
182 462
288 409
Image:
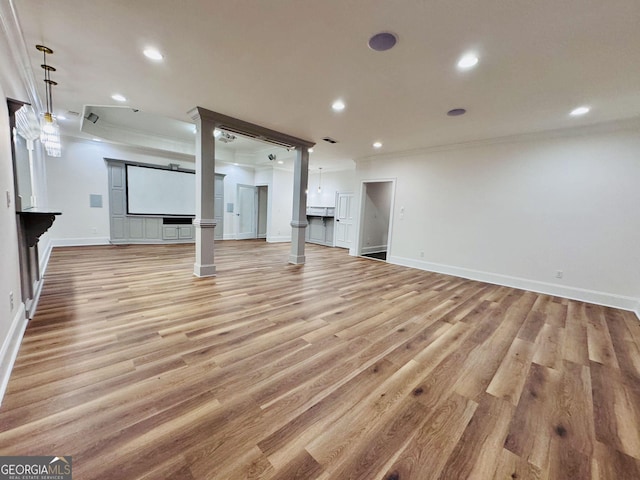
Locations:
637 310
44 250
573 293
374 249
79 242
10 347
280 239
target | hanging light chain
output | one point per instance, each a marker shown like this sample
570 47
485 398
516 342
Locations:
49 131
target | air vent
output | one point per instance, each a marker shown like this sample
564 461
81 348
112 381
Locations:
71 113
329 140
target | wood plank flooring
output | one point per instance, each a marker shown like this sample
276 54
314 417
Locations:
344 368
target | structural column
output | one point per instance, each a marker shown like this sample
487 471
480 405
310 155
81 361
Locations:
299 220
204 222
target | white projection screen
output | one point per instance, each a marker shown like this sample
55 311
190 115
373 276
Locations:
154 191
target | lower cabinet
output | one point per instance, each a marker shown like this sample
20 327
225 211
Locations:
177 232
320 230
144 228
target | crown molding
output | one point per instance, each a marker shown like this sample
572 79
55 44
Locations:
19 52
631 124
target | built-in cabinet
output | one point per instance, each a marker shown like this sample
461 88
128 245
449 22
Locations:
126 228
320 225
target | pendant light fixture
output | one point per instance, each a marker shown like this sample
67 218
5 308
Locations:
49 130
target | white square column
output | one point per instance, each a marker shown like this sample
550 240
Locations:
204 222
299 220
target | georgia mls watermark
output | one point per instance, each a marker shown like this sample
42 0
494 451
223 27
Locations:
35 468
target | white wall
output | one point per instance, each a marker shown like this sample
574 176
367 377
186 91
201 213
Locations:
12 318
516 212
343 181
281 203
81 171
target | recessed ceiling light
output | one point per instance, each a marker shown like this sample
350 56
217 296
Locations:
377 145
310 150
280 162
456 112
153 54
118 98
576 112
338 105
61 117
468 60
383 41
96 139
236 164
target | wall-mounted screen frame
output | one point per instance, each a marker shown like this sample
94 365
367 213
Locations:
160 191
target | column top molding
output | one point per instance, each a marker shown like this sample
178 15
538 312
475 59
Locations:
235 125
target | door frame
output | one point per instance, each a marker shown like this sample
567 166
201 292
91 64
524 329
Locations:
363 193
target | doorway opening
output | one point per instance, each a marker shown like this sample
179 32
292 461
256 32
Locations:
263 202
375 219
247 212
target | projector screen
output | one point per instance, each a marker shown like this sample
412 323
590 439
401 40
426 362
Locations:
154 191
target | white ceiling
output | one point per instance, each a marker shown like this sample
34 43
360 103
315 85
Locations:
281 63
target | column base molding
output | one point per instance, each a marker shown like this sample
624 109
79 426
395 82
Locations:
204 270
297 259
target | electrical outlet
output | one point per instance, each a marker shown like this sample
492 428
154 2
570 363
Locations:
11 301
559 273
94 230
421 254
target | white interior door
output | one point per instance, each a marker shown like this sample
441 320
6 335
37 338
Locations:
344 220
246 213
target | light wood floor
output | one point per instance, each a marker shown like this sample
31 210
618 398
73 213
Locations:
343 368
